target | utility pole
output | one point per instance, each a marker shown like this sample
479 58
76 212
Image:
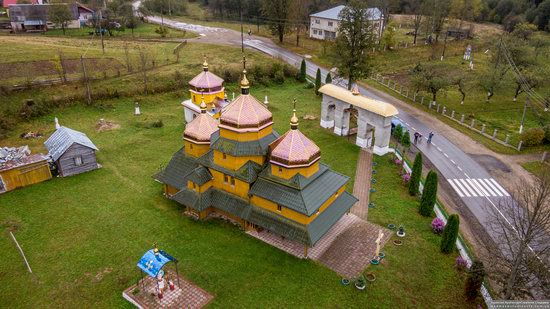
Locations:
524 112
88 94
242 34
445 44
101 33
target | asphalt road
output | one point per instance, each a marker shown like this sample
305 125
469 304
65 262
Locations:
470 181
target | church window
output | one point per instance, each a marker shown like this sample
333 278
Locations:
190 146
225 178
224 156
232 181
279 208
280 170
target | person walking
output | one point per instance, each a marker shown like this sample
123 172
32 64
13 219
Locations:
249 32
430 137
416 134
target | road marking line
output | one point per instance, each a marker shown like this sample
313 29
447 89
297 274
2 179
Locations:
500 187
446 156
439 149
455 188
459 168
480 187
468 187
482 181
453 161
474 186
462 188
493 187
413 128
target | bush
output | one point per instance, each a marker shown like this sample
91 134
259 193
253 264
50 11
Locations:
303 73
416 174
328 79
450 234
398 132
406 139
429 195
547 134
289 70
279 77
533 137
476 274
317 81
31 109
438 225
157 124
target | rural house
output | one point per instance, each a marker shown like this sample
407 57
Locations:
324 24
34 17
72 151
18 168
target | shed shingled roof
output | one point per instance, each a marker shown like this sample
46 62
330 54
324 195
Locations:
63 138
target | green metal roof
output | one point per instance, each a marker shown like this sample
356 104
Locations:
230 203
199 175
190 198
241 149
328 218
279 224
179 166
307 200
297 181
247 173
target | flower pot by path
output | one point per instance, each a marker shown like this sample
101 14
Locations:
370 277
397 242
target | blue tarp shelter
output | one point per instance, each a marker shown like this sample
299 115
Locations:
152 263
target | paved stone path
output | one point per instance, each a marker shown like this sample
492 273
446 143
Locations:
361 186
189 296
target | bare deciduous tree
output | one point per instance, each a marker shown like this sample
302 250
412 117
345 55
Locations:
143 58
521 225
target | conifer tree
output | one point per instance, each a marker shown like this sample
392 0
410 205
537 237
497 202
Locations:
302 74
318 81
415 175
429 194
328 79
476 274
450 234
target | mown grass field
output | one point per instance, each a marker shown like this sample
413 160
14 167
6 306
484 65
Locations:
143 31
83 235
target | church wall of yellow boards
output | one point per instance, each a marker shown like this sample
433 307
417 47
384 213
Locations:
25 175
230 184
246 136
196 97
196 150
234 163
288 173
292 214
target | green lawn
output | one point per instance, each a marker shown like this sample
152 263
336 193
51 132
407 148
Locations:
83 235
143 31
535 167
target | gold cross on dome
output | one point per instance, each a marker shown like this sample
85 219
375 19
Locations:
244 62
294 102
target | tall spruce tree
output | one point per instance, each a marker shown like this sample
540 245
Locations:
450 234
476 274
429 195
318 81
303 73
415 175
355 38
328 79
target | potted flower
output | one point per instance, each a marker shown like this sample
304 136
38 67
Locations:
370 277
438 225
344 281
361 283
401 231
381 255
397 162
397 242
391 226
372 205
406 177
461 263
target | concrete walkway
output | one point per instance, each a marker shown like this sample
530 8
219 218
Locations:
361 187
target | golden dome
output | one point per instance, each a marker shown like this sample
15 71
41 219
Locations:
205 64
203 105
355 90
244 81
294 119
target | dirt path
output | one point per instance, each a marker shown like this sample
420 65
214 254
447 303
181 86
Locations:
361 186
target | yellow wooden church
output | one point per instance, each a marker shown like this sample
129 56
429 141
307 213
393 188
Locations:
240 168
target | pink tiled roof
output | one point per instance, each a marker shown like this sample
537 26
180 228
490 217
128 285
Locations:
294 149
246 112
200 129
206 80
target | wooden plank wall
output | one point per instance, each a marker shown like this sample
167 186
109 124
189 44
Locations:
66 163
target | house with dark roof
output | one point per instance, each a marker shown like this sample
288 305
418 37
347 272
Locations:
242 169
72 151
324 25
19 168
34 17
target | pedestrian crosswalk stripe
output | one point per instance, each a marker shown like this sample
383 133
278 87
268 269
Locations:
455 188
480 187
500 187
487 187
474 187
467 187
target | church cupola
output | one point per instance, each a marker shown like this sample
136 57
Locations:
198 132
